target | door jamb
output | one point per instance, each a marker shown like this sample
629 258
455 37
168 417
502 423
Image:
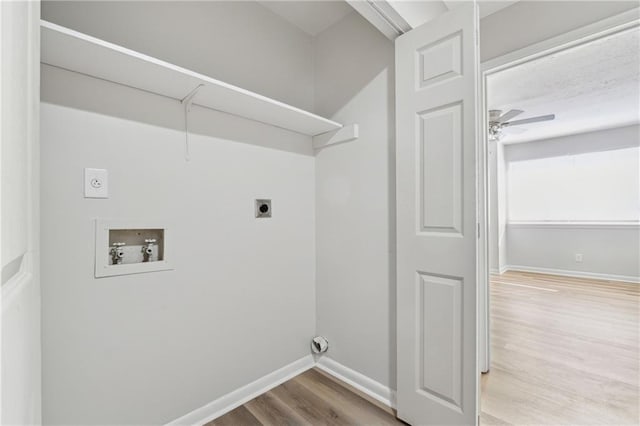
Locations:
577 37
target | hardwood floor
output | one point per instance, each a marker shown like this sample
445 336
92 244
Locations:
563 351
308 399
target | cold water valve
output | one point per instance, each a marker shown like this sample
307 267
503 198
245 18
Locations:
117 253
148 249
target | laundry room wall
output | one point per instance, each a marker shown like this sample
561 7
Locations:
240 300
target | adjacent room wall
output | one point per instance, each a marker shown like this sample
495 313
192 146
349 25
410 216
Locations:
240 303
608 250
355 199
238 42
497 208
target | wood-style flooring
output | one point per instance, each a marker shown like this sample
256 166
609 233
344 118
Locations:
308 399
563 351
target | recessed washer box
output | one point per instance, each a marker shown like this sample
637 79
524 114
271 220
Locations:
126 247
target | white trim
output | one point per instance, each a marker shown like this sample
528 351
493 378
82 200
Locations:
246 393
364 384
574 274
586 34
574 225
375 18
498 271
552 290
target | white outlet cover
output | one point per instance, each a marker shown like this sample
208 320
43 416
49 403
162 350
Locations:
96 183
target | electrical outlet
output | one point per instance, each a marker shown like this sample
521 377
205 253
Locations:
96 183
578 257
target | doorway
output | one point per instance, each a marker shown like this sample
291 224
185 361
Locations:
552 290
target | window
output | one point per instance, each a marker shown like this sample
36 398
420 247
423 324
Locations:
593 187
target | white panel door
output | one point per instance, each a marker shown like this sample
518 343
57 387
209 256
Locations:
20 295
436 82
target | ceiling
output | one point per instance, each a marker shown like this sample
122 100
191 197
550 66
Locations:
485 7
588 87
312 17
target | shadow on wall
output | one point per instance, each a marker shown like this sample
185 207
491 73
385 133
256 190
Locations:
356 220
81 92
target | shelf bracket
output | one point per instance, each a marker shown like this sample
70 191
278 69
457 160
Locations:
187 101
345 134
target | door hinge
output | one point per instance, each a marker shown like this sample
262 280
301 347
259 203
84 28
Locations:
478 231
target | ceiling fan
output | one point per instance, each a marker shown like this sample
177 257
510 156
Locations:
499 121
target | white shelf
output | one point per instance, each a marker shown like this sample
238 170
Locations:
74 51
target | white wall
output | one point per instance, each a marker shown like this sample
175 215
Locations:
20 393
355 187
148 348
239 42
497 207
528 22
502 206
240 302
608 250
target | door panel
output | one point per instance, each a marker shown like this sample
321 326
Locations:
436 85
441 169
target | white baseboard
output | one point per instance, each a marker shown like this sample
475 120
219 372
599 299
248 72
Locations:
232 400
364 384
500 271
575 274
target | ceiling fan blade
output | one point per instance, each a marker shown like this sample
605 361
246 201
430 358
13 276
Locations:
509 115
494 114
530 120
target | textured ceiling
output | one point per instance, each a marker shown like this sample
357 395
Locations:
588 87
312 17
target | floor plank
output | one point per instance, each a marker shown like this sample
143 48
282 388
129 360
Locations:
239 416
564 350
270 410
